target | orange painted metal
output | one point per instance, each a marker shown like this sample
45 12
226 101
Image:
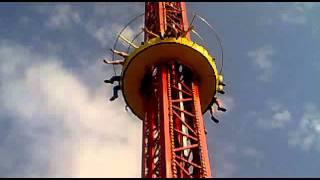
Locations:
162 20
174 143
201 132
185 18
165 125
154 19
144 147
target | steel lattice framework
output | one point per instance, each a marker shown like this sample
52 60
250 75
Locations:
174 141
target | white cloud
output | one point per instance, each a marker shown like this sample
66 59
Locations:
86 135
262 59
304 6
226 158
24 20
274 105
292 17
279 119
104 24
223 162
252 152
307 134
109 21
315 29
265 21
110 9
63 16
256 155
279 116
107 32
296 14
227 169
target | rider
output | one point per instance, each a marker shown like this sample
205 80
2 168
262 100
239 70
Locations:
220 108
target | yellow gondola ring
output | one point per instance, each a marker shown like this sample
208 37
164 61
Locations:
157 51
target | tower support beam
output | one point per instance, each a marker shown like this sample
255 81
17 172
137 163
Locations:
174 143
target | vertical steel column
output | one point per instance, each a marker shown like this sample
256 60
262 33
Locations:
204 156
185 19
165 125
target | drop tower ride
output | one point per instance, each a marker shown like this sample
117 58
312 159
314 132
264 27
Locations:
169 82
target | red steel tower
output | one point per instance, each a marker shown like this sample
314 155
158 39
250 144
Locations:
169 154
169 82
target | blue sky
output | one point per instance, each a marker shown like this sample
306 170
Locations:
56 120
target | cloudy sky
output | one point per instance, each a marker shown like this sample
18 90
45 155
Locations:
56 120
